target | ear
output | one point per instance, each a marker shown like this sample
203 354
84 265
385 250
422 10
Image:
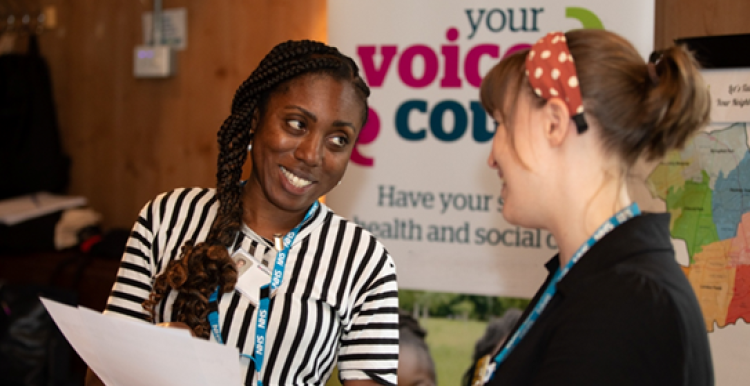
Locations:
558 123
256 120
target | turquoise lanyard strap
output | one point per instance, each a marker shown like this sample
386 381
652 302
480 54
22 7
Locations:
619 218
277 277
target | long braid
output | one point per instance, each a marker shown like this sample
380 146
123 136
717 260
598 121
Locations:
206 266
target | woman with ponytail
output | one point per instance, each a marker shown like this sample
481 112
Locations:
261 259
574 114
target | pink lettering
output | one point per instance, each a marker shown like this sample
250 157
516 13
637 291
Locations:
376 76
471 64
368 134
450 53
406 66
518 47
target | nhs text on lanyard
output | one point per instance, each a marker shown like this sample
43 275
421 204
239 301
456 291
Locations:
261 324
619 218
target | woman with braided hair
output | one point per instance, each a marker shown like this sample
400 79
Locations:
262 260
575 114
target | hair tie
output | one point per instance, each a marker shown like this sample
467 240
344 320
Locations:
653 61
652 73
552 74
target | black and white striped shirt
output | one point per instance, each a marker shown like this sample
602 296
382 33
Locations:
337 305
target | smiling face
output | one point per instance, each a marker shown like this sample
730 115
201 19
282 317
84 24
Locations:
304 140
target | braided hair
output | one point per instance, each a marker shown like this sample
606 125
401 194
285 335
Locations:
206 266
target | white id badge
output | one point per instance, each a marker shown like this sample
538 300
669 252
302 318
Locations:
251 275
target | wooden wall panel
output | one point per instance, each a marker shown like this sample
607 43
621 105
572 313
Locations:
131 139
690 18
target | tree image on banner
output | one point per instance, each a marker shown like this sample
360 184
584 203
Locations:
706 188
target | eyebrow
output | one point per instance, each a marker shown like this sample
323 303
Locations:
313 117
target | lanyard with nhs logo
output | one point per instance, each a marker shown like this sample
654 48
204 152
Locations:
619 218
277 277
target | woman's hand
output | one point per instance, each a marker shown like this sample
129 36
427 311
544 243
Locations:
358 382
92 379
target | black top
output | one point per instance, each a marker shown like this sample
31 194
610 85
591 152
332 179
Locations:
625 314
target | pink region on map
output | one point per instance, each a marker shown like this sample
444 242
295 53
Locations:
739 252
739 258
739 307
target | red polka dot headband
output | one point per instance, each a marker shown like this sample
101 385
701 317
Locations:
552 74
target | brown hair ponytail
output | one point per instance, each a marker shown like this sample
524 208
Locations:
641 112
676 105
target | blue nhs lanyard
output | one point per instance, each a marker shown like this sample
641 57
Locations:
263 310
620 217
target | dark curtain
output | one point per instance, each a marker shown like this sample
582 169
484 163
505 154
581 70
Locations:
31 155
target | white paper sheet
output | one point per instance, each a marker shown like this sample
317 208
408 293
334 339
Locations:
19 209
127 352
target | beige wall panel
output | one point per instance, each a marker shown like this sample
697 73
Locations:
690 18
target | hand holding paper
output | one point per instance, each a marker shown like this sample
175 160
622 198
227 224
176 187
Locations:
128 352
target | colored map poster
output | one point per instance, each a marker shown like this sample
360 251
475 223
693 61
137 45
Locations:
706 189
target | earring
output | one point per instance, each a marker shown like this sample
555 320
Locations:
250 147
339 182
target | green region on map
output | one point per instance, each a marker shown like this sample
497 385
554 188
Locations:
694 220
701 185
